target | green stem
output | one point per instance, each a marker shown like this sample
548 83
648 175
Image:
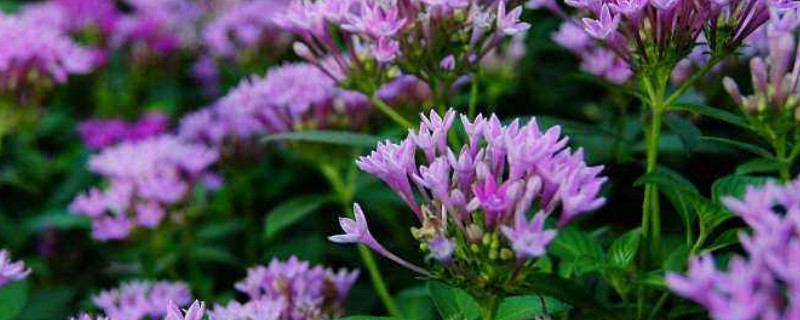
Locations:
473 95
489 307
694 79
389 112
344 195
661 301
781 154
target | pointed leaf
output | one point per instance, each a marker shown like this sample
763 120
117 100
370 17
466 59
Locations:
453 303
327 137
623 250
13 298
712 112
686 131
754 149
760 165
528 307
290 212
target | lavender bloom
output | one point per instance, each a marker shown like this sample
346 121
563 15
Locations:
247 26
291 290
405 90
385 34
195 312
595 60
11 271
487 188
776 80
74 16
290 97
765 283
37 55
143 299
145 179
158 26
99 134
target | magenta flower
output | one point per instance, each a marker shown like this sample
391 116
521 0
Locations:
11 271
488 187
195 312
246 26
291 289
509 23
604 26
764 283
529 239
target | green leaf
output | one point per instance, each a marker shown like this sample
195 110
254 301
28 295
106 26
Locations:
213 255
681 193
58 219
580 252
415 303
712 112
13 298
623 250
735 186
453 303
290 212
686 131
760 165
727 238
47 304
365 317
327 137
569 292
219 229
528 307
754 149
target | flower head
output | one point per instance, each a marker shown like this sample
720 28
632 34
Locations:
11 271
144 299
246 26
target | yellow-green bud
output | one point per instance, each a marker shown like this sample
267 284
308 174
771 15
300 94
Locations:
506 254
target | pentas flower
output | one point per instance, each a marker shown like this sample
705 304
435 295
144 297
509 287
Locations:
649 33
34 56
481 206
173 311
246 27
11 271
145 181
158 26
290 290
98 134
143 300
595 59
436 41
290 97
75 16
775 78
765 284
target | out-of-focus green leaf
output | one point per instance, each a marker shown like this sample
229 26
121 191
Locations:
363 317
754 149
623 250
528 307
760 165
47 304
327 137
578 251
726 239
453 303
214 255
415 303
711 112
290 212
571 293
13 298
219 229
686 131
58 219
735 186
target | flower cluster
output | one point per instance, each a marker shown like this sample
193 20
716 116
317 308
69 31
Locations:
436 41
290 290
246 26
595 59
11 271
158 26
75 16
662 33
142 299
35 56
474 204
145 180
765 284
98 134
196 311
776 80
290 97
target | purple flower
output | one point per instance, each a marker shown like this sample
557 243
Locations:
529 239
195 312
386 50
764 283
509 23
572 37
143 299
99 134
603 27
500 173
291 289
145 178
30 48
448 63
11 271
160 26
246 26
